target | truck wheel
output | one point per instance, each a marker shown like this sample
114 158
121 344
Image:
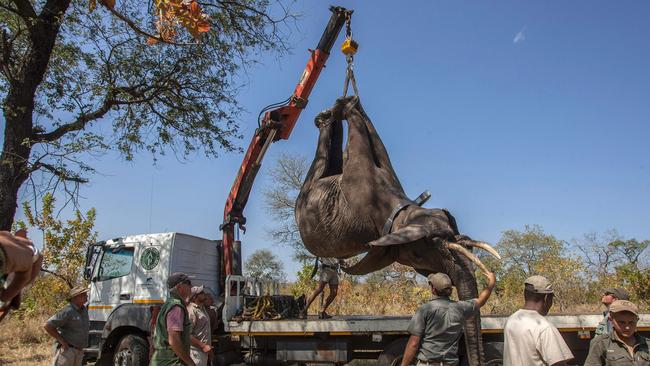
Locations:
131 351
392 354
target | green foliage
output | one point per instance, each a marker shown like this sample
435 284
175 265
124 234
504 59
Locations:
305 283
64 250
101 87
264 265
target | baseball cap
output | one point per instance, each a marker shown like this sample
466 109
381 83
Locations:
439 281
623 305
78 290
197 290
176 278
538 285
618 292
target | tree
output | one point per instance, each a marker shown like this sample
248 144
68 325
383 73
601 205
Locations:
287 175
75 84
533 252
264 265
64 251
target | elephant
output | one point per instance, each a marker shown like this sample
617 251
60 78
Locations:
352 202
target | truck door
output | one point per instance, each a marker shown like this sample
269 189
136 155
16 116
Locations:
113 281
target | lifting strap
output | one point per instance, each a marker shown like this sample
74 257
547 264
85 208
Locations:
349 48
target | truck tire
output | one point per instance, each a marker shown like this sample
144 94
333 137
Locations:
392 354
132 350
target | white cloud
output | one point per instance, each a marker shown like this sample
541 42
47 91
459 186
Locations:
520 36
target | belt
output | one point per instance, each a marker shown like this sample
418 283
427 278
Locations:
433 363
328 266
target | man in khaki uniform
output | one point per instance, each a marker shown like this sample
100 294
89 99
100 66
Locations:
623 346
529 338
201 336
70 328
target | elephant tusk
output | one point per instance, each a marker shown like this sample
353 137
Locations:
460 249
485 246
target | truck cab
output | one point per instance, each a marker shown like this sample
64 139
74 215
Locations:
128 277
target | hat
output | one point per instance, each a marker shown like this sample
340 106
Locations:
197 290
538 285
78 290
618 292
176 278
623 305
439 281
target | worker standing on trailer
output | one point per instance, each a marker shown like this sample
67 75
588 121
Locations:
437 325
329 275
171 337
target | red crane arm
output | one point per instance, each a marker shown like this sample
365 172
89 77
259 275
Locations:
277 124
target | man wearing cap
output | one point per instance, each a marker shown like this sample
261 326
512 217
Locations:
70 328
437 325
171 337
609 296
622 346
201 337
530 339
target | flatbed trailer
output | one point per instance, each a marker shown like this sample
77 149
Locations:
344 338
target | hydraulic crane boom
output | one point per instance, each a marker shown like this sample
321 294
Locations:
277 124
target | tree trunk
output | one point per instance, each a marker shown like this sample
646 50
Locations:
18 106
14 169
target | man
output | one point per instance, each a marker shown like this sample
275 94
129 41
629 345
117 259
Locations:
609 296
530 339
171 337
20 263
622 346
201 337
437 325
70 328
328 275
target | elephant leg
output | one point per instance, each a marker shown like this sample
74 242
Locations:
374 260
329 151
371 149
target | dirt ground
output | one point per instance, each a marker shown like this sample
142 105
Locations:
24 343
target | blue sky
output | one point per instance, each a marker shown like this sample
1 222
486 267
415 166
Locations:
509 112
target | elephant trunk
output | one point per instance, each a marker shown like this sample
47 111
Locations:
465 281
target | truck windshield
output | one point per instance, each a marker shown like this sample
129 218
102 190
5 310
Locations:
116 262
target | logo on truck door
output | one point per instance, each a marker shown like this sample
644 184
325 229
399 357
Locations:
150 258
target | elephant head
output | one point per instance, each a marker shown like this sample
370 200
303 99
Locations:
352 203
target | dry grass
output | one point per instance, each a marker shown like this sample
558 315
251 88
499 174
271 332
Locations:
24 342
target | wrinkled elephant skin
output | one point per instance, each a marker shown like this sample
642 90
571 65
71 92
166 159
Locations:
348 196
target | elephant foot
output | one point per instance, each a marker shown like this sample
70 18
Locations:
323 119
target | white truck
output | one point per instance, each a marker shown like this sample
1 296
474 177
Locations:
128 284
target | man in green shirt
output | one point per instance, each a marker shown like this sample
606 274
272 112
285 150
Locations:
623 346
437 325
70 327
171 337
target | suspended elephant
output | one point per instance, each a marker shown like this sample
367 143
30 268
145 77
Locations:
352 203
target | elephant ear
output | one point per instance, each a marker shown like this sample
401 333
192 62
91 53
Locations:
376 259
405 235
